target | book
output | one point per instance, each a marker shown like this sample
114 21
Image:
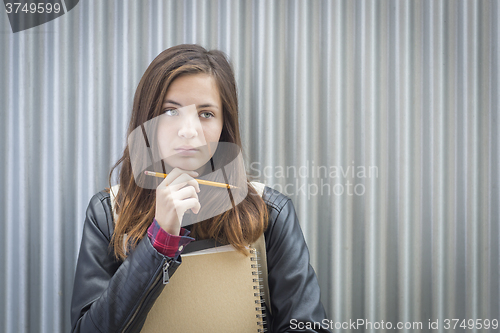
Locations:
214 290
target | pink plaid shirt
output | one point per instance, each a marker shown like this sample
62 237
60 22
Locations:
167 244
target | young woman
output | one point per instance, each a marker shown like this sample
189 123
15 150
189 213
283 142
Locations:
189 94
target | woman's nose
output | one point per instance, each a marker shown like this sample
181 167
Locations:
188 128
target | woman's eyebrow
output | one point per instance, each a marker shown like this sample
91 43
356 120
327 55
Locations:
171 102
208 105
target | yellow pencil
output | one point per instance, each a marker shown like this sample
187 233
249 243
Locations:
200 181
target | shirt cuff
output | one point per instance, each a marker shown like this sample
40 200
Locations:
167 244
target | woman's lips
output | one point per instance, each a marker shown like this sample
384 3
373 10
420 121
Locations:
186 151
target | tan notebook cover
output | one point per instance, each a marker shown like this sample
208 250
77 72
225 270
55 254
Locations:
213 290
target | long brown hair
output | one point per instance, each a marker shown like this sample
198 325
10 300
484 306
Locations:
135 206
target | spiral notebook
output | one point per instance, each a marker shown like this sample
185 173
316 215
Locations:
213 290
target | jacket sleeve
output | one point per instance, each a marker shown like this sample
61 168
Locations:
110 296
293 286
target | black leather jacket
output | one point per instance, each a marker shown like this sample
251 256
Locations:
115 296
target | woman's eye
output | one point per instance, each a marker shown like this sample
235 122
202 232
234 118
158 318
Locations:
171 112
206 115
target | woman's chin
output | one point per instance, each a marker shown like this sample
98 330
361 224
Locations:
188 164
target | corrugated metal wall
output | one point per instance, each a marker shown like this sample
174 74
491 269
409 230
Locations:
386 110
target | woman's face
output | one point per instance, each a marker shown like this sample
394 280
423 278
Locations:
191 124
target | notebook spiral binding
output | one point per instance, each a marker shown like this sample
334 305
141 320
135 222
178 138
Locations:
259 296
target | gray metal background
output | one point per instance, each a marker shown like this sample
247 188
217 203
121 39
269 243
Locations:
410 87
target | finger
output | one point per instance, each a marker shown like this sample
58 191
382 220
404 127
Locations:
176 172
184 180
181 184
197 208
190 181
195 184
163 184
185 193
172 175
182 205
184 200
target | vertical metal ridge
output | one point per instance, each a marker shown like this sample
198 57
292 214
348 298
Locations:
450 77
438 211
484 36
472 170
495 158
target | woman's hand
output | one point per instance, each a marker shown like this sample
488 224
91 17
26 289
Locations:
174 196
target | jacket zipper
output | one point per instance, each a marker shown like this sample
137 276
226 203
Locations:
166 278
165 265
